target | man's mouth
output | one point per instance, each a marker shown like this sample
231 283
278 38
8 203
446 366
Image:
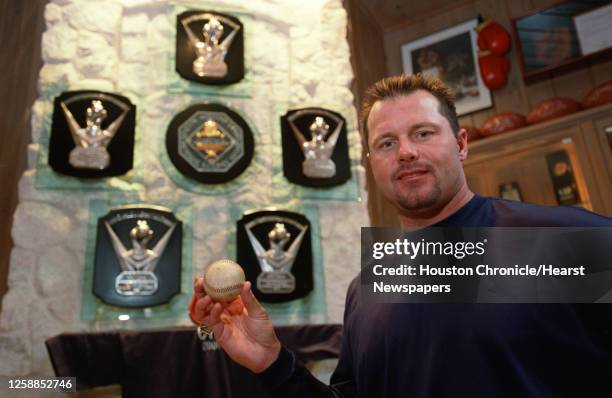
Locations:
412 174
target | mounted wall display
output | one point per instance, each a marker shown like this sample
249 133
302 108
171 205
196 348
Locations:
315 147
548 42
92 134
452 56
209 143
209 47
275 249
138 256
563 179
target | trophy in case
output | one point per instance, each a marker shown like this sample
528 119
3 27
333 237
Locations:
92 134
209 47
563 179
317 136
138 256
280 243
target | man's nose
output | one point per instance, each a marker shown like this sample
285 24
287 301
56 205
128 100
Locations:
407 151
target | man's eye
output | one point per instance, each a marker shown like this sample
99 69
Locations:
423 134
388 144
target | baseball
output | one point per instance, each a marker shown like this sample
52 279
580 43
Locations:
223 280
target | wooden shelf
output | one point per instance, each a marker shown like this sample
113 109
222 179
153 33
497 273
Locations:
517 137
521 156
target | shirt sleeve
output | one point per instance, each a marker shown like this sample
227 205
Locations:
287 377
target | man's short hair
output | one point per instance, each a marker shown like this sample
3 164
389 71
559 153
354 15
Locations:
395 86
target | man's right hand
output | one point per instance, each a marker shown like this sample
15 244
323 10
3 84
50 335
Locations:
242 327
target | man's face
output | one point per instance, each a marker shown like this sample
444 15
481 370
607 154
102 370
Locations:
414 155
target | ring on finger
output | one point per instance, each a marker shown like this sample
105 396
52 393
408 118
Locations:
203 331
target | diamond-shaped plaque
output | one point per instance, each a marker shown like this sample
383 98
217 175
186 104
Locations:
209 143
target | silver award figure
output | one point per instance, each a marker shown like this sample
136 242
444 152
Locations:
138 264
211 51
91 141
319 149
277 261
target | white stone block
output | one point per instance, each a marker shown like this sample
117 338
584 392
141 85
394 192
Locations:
20 273
134 49
94 84
161 33
26 188
53 13
15 308
59 43
65 308
142 4
96 16
135 24
37 119
56 76
41 365
37 225
15 354
33 150
56 271
95 57
43 325
132 77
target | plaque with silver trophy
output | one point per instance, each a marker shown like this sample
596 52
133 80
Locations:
92 134
315 147
138 256
209 143
209 47
274 248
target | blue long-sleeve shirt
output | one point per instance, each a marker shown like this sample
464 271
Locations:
468 350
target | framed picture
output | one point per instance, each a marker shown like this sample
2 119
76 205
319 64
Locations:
549 43
451 55
510 190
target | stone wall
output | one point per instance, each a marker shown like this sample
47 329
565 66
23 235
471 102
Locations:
297 57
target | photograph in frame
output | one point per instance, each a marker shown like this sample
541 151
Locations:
452 56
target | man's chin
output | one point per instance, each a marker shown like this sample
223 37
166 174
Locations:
417 202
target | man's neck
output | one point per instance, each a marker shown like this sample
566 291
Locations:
451 207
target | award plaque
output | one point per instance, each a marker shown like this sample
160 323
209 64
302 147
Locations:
209 143
315 148
209 47
275 250
562 176
92 134
138 256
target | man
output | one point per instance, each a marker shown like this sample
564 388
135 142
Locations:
416 150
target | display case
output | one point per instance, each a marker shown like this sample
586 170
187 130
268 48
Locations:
566 161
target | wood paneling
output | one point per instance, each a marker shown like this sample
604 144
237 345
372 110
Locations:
391 13
21 27
394 38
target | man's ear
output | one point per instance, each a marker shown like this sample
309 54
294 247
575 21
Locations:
462 144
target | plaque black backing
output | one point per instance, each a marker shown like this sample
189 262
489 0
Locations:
293 156
302 267
185 168
120 148
185 55
107 267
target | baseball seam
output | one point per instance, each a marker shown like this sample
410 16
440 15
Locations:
225 289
